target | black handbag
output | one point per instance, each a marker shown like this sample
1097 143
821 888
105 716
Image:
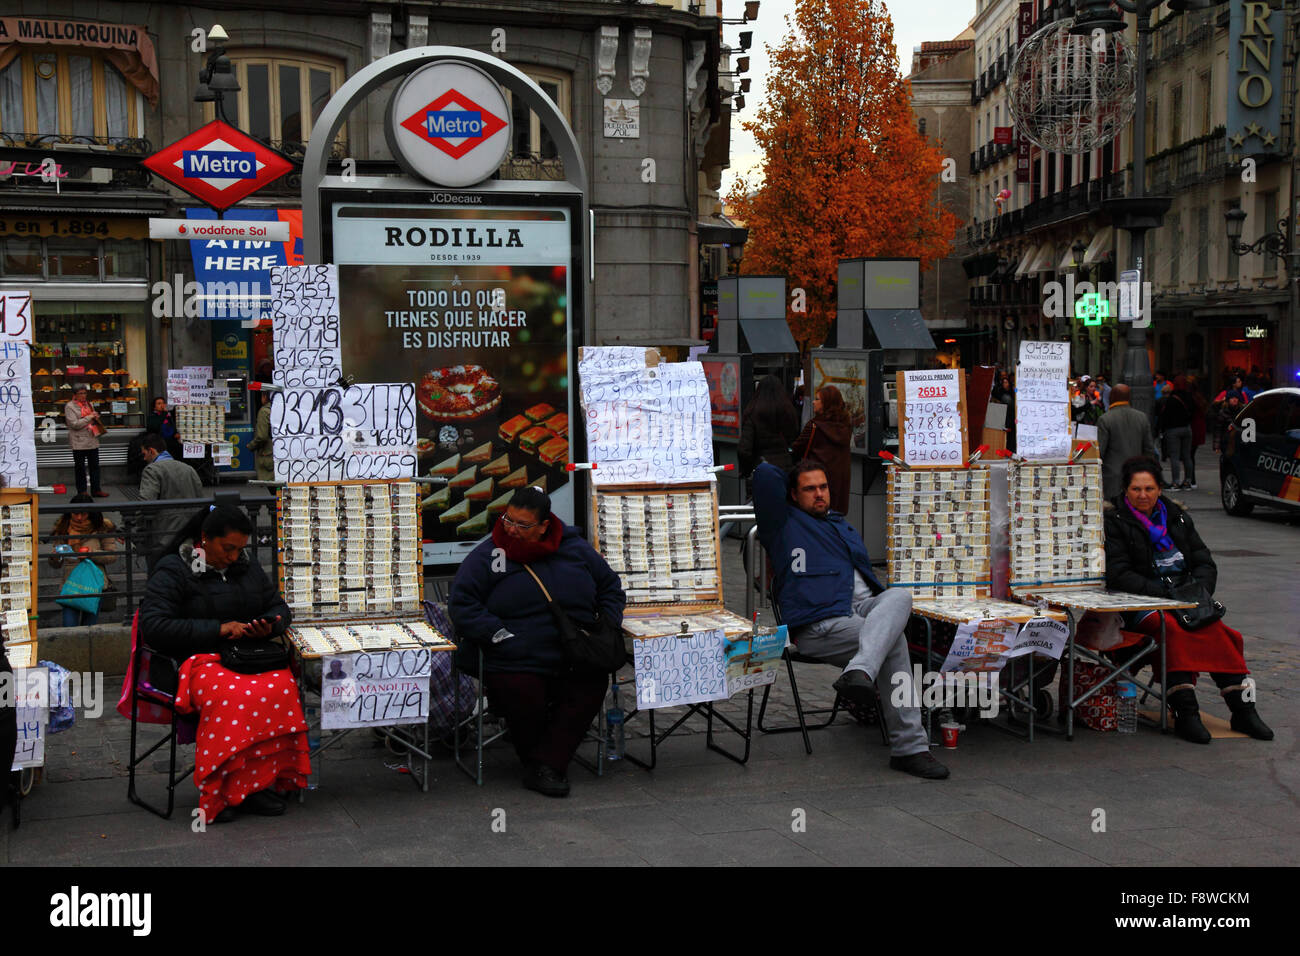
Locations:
598 648
1207 609
254 655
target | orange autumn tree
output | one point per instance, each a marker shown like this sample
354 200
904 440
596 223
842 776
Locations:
845 173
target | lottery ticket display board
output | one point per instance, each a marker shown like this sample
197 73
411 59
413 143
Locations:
350 567
663 544
938 531
18 567
1056 535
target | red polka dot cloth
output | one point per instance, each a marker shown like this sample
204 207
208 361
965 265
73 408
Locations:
252 732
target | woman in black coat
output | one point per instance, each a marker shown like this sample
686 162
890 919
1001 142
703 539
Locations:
770 427
496 605
252 734
1150 538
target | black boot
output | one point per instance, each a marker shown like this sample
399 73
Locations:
1245 719
1187 716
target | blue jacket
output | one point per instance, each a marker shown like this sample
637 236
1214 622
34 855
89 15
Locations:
484 601
813 559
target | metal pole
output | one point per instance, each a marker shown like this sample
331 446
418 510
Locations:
1137 366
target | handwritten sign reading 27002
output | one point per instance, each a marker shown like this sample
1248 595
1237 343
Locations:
375 688
648 424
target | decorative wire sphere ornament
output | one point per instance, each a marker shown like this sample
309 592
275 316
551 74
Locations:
1072 94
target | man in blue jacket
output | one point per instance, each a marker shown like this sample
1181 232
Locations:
834 606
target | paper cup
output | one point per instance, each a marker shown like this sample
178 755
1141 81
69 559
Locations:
949 732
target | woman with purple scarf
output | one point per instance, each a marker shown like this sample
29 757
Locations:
1150 540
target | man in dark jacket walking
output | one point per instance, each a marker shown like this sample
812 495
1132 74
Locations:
834 606
1122 433
165 478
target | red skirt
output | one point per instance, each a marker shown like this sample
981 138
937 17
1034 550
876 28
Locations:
252 734
1213 649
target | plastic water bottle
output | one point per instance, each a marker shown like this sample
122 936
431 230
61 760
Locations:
1126 708
615 743
312 713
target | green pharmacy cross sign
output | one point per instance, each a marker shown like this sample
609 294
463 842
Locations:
1093 308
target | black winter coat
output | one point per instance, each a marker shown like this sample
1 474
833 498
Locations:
484 601
182 610
1130 555
759 443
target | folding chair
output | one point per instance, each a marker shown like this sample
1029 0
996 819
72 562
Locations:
791 656
148 704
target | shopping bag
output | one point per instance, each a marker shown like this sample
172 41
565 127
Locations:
1098 712
88 579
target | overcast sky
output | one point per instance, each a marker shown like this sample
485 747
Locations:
915 21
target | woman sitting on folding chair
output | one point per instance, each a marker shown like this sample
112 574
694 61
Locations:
1151 547
498 606
204 593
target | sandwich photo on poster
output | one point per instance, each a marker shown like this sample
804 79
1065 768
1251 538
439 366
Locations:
473 307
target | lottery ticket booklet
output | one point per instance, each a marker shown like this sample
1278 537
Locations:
18 573
351 567
662 541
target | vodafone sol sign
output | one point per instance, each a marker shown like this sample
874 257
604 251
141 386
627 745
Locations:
449 123
205 229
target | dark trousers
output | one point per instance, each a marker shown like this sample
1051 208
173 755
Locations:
548 717
83 461
1220 680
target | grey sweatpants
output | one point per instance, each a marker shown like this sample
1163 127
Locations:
872 640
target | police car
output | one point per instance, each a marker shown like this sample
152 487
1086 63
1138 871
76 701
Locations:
1260 464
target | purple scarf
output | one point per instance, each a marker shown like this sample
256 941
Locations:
1158 531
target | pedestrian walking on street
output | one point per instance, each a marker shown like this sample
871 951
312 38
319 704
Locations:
1174 422
1122 433
826 439
164 478
771 425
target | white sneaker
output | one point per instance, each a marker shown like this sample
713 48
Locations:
1192 486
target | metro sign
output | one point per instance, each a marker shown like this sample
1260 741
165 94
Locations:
453 123
218 165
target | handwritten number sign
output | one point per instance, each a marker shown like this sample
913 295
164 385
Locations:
375 688
931 417
1043 400
17 417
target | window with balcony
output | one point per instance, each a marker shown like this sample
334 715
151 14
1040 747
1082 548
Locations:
1203 244
1176 115
1173 225
1267 204
68 94
280 94
530 138
1207 103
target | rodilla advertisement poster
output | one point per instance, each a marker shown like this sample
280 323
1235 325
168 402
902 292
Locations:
474 307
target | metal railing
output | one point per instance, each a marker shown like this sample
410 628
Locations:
128 571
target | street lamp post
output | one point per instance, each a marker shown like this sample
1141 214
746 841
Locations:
1137 212
217 78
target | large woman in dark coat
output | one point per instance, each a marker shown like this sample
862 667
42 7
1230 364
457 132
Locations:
497 606
252 736
826 439
1149 538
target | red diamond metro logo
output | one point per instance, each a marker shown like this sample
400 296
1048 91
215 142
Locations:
453 123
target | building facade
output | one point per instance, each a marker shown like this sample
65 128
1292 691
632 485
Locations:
1213 311
89 97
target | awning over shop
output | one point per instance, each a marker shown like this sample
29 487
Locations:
126 46
900 328
1102 243
1026 261
721 233
1067 260
1042 259
768 337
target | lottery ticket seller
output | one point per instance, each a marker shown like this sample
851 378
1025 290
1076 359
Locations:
1150 537
496 605
251 739
834 606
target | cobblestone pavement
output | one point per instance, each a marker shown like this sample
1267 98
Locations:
1161 801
